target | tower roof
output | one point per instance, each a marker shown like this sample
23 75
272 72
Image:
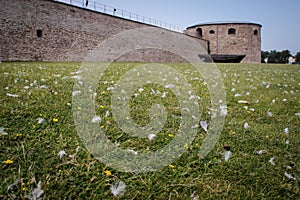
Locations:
223 23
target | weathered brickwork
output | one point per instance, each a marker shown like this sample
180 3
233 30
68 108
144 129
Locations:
45 30
231 38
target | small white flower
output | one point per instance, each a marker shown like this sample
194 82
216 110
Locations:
227 155
107 114
272 161
61 153
151 136
204 125
141 90
286 130
118 188
297 114
237 95
96 119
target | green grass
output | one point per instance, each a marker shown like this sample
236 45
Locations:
34 147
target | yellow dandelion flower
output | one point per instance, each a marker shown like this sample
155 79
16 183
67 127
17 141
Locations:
107 172
186 146
102 126
8 162
170 135
55 120
101 107
267 137
103 93
171 166
18 134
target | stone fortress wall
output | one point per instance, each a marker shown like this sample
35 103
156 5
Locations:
231 38
46 30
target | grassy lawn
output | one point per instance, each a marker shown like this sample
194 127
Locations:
39 141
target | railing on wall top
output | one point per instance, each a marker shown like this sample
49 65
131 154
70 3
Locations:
98 7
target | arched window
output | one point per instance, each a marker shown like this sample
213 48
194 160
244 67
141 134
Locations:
211 32
231 31
255 32
199 32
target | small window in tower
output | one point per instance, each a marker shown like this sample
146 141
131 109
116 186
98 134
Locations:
39 33
211 32
231 31
255 32
199 32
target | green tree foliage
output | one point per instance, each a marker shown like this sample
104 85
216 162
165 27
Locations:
275 56
298 57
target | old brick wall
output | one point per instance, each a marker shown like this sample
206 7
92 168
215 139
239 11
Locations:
244 41
67 33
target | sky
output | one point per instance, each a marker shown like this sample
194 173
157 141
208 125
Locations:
280 19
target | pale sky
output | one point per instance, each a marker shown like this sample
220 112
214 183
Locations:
280 19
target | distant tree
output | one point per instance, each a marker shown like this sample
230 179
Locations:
264 55
297 57
284 56
275 56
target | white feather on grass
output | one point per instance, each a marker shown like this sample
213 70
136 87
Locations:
118 188
96 119
61 153
246 125
272 161
2 132
36 193
204 125
227 155
289 176
151 136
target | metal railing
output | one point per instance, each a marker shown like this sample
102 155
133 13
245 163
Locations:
98 7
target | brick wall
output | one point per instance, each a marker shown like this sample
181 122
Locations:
45 30
244 41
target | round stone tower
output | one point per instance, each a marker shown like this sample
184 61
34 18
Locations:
230 41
